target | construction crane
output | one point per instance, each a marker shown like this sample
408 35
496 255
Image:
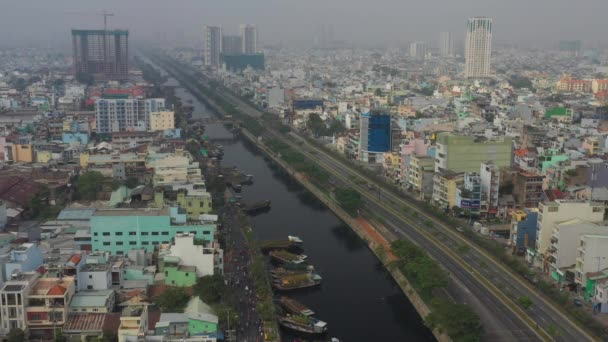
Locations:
105 19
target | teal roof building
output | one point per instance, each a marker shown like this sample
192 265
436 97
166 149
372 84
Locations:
120 230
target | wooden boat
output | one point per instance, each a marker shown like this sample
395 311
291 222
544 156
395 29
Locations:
295 282
260 205
295 307
303 324
290 242
286 257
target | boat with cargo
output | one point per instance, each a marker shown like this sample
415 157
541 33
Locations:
292 242
295 307
304 324
296 282
286 257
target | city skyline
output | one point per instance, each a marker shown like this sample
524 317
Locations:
296 24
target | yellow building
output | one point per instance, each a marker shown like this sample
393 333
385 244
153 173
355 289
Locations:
421 172
444 188
43 157
160 121
23 153
195 202
133 323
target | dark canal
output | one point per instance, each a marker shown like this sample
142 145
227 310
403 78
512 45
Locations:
358 298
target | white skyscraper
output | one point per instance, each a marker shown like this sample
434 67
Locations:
478 48
446 44
418 50
213 45
249 37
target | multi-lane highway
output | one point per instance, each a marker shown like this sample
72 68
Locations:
477 278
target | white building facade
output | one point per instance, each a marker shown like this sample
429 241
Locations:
478 48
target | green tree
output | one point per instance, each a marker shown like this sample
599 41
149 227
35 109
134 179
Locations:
316 125
459 321
108 336
349 199
378 92
525 302
89 184
210 288
174 299
16 335
59 337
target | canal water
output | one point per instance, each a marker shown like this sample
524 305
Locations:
357 298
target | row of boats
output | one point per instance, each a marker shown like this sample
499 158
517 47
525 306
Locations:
292 272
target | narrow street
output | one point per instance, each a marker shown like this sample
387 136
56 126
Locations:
237 262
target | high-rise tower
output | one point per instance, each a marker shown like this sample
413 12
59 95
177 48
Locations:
212 45
249 37
478 48
103 54
446 44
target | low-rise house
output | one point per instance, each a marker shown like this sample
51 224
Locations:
25 257
13 305
101 301
133 323
47 305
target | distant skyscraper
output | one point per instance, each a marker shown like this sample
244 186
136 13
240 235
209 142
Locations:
446 44
478 48
249 36
102 54
232 45
213 45
418 50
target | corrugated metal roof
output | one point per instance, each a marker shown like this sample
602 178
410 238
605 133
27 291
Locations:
84 322
76 214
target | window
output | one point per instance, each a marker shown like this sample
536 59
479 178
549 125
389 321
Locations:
95 234
132 233
165 242
165 233
106 234
118 243
90 276
144 243
89 287
155 233
118 233
144 233
206 232
193 232
166 273
106 243
155 243
187 274
120 252
132 243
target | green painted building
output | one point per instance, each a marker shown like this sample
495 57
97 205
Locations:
180 275
560 113
551 157
461 153
121 230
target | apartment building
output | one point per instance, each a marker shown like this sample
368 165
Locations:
445 185
460 153
13 302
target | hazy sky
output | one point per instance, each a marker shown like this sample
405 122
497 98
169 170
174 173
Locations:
383 21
